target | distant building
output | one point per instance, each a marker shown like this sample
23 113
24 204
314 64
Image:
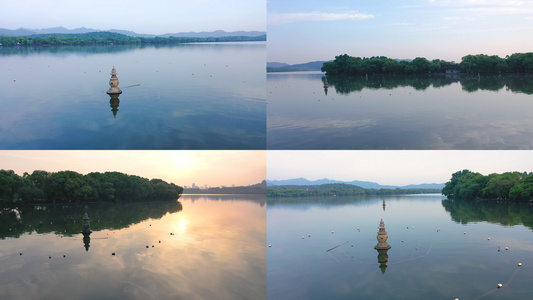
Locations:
451 69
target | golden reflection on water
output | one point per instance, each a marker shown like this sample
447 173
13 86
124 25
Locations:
212 249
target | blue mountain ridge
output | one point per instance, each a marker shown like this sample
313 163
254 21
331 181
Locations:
363 184
218 33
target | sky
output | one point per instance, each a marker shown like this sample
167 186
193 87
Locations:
141 16
300 31
214 168
393 167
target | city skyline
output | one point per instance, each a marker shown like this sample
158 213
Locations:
304 31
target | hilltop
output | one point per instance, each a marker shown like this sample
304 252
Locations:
362 184
62 30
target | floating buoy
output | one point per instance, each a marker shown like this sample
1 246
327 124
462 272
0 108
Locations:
270 245
303 237
464 232
308 235
506 248
413 227
500 285
332 231
519 264
488 239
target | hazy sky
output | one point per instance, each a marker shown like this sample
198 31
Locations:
309 30
214 168
141 16
392 167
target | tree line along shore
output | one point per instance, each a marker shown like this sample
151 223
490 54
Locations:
106 38
70 186
510 186
480 63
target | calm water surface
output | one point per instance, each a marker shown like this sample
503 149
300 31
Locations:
203 247
439 249
425 112
191 96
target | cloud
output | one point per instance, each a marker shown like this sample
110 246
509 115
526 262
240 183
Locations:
275 19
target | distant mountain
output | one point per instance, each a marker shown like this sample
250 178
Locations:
131 33
276 65
363 184
16 32
63 30
217 33
280 67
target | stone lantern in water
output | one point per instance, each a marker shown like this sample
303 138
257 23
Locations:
382 237
113 83
382 246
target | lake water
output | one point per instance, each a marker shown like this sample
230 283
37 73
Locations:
203 247
439 249
399 112
189 96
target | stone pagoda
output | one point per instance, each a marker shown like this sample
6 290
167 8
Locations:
382 237
113 82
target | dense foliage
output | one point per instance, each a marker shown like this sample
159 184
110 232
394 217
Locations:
259 188
469 185
337 189
481 63
69 186
100 38
348 65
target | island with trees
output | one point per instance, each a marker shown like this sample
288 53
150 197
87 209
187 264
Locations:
510 186
337 189
106 38
72 187
481 63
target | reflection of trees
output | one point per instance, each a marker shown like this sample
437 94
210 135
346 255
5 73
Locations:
470 83
514 83
504 213
67 219
345 85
